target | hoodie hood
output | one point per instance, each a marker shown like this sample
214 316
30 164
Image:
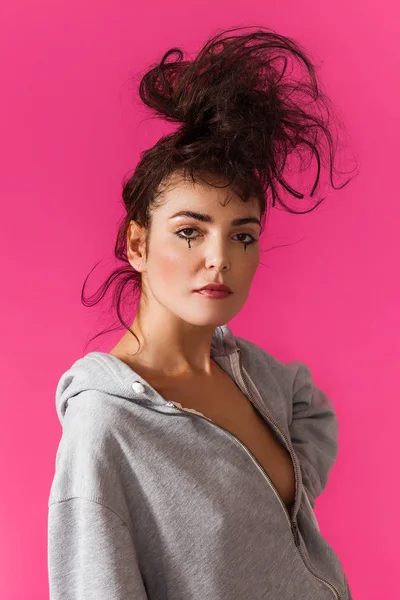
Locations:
142 487
105 373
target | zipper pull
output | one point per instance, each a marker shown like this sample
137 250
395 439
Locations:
295 532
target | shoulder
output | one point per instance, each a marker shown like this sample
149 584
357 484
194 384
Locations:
259 363
89 454
277 382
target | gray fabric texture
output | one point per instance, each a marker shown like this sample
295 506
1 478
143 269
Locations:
152 503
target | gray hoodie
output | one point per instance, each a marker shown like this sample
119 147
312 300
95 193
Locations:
152 501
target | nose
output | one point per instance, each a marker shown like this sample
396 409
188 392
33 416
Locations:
217 258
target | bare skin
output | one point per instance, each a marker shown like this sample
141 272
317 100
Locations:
175 325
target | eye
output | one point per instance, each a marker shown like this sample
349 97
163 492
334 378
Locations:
252 240
184 237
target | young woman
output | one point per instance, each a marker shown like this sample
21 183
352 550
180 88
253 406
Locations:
190 458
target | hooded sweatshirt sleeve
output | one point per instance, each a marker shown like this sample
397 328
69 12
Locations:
313 430
90 553
91 549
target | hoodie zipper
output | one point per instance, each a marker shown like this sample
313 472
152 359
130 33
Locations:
292 523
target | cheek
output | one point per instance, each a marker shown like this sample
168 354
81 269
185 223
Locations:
247 274
170 263
249 264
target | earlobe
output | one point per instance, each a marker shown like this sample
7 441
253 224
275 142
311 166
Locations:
135 256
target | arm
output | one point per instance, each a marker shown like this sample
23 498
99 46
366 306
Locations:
314 430
91 555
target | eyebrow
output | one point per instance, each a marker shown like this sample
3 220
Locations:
207 219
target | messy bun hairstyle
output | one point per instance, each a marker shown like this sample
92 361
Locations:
241 117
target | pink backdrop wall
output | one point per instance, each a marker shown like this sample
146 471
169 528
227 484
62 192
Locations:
71 130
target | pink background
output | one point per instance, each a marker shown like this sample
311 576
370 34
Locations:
71 129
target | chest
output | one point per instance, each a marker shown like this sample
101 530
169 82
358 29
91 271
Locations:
223 402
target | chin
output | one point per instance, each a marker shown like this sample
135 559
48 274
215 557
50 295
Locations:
212 318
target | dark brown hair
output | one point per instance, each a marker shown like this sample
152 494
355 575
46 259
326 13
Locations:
241 117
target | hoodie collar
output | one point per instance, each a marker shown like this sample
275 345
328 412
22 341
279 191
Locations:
106 374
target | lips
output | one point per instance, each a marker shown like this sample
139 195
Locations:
219 287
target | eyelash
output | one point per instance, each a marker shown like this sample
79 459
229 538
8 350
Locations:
182 237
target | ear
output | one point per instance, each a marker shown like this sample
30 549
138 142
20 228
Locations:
136 246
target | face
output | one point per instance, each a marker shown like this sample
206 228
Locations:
172 271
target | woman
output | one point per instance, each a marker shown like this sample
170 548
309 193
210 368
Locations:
190 458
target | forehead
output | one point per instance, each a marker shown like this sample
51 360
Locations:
180 194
